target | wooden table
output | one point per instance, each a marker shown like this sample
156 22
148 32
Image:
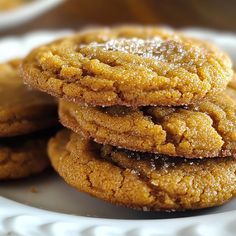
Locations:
178 13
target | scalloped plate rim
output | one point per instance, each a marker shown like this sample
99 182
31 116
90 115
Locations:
31 208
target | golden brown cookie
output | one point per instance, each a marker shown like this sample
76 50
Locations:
22 110
24 155
207 129
130 66
141 180
231 88
6 5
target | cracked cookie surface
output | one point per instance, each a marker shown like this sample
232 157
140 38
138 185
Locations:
207 129
23 156
141 180
231 88
131 66
22 110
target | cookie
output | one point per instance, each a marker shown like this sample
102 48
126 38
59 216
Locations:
141 180
129 66
207 129
22 110
25 155
231 88
6 5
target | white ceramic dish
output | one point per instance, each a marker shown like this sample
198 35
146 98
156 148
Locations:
58 210
25 12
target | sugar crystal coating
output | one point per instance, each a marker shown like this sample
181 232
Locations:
171 51
131 66
145 48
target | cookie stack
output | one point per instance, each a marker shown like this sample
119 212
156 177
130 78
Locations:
151 123
27 118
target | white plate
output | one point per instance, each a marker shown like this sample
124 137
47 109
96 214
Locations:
25 12
57 209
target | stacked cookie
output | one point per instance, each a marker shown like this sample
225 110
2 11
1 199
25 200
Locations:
26 120
151 125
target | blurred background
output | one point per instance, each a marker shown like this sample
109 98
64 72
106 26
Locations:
216 14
